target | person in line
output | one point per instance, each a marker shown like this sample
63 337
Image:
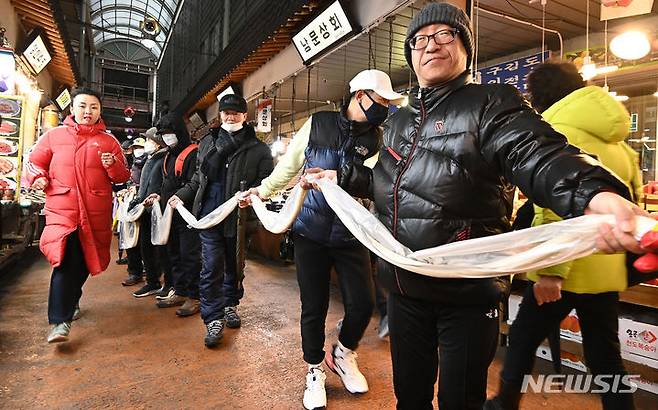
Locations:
446 172
134 255
595 122
126 147
183 246
76 164
333 140
155 258
227 156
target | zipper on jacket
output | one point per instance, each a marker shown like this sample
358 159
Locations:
396 186
398 158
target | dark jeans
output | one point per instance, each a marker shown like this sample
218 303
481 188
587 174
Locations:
233 289
213 251
155 258
314 262
66 282
463 336
598 316
135 266
184 249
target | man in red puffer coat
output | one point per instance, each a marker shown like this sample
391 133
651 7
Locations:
76 165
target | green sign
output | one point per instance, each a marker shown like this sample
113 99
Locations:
634 117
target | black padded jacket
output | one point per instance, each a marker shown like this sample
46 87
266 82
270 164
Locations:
447 171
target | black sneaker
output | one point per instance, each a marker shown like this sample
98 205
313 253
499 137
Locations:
131 280
122 261
232 318
147 290
165 293
215 332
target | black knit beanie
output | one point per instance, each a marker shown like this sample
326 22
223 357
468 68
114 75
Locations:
445 13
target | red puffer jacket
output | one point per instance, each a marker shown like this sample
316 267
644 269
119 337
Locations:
79 191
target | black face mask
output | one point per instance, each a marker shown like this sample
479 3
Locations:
377 113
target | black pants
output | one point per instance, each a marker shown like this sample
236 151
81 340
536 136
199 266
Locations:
466 338
314 262
598 316
381 294
66 282
155 258
184 249
135 266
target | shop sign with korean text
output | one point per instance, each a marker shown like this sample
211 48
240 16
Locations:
36 52
513 72
325 30
615 9
264 115
63 99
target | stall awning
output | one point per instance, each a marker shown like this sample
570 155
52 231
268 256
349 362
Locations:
48 16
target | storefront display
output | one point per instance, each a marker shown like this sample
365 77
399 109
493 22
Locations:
11 113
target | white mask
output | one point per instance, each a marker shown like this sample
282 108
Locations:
150 147
138 152
232 127
170 139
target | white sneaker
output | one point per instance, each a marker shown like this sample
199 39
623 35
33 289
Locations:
315 395
342 361
59 333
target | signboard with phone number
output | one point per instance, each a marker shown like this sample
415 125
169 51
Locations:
514 72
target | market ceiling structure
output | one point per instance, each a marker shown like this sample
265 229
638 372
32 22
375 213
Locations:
114 20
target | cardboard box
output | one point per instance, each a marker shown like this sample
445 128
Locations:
570 327
568 359
638 338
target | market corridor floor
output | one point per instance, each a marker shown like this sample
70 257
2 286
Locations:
126 353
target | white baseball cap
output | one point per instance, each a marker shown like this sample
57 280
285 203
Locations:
375 80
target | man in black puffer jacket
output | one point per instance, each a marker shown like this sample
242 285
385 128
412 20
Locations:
226 157
446 173
183 246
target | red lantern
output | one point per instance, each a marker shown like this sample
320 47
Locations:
129 111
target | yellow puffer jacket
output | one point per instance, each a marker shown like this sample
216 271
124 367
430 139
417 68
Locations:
597 124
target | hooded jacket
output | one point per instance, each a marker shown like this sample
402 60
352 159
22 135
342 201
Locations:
171 183
251 161
459 150
150 181
79 191
597 124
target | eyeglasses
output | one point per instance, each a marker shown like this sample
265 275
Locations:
442 37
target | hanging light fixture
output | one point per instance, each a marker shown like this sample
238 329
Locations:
617 97
630 45
148 42
606 68
588 69
150 28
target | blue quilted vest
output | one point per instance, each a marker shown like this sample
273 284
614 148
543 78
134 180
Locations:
334 140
